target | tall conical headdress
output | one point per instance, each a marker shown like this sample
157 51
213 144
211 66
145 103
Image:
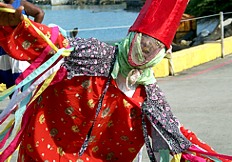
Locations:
160 19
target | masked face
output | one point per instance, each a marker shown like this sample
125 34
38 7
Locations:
143 49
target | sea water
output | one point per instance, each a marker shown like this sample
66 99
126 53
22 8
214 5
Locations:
105 22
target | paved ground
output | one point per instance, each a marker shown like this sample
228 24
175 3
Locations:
201 98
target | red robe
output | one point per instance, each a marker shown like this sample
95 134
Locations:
64 113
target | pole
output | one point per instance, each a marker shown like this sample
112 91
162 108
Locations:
222 34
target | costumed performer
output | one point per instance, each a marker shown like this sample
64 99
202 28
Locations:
90 101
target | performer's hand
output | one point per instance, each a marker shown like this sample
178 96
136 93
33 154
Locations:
10 19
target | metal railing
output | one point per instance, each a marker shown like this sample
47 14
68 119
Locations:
221 18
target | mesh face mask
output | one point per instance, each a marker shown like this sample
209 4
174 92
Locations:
143 49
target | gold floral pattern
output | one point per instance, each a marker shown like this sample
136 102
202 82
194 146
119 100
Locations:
95 149
75 129
110 123
126 103
86 84
91 139
48 34
42 119
132 150
69 110
26 44
90 103
105 112
60 151
29 148
110 156
74 117
124 138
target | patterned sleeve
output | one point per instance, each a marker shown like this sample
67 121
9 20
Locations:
90 57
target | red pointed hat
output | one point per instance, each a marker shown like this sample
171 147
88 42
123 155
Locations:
160 19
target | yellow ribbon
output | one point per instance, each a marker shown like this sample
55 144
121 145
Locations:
8 126
9 10
6 91
176 158
46 83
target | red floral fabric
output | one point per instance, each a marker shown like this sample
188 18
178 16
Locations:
58 129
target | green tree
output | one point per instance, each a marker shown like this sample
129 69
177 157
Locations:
208 7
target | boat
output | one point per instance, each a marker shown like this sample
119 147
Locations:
59 2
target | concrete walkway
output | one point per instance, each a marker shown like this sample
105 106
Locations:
201 98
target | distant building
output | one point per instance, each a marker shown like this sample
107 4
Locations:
59 2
